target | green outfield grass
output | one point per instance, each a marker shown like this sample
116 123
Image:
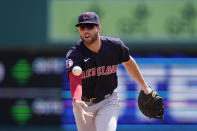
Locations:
131 19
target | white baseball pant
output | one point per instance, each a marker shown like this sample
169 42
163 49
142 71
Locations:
105 115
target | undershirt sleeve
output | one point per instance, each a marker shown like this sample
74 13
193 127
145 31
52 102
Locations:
75 86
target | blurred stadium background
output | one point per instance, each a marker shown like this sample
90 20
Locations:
36 34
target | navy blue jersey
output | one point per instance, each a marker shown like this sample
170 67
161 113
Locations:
99 69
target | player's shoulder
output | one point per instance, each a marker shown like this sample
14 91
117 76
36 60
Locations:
112 40
74 50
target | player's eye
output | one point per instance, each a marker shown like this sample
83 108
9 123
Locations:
81 28
87 26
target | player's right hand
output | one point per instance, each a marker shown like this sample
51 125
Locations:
80 105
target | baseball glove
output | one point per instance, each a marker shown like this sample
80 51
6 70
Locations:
151 105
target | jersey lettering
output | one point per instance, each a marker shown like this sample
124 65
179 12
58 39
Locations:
83 75
93 72
114 68
101 70
88 73
108 71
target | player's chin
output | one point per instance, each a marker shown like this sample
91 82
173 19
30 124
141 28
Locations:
87 40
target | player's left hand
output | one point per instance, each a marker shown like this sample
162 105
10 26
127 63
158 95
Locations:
151 105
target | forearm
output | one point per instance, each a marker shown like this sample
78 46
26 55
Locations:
134 71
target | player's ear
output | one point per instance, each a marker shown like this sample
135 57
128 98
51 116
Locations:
99 29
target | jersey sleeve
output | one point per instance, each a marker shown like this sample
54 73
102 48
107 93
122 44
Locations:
124 52
72 59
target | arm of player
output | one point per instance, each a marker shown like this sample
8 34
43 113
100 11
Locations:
75 86
134 71
76 93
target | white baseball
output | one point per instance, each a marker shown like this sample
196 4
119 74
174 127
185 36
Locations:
77 70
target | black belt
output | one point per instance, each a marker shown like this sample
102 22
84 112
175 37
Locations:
95 100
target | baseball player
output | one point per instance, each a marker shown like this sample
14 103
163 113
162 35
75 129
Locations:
95 100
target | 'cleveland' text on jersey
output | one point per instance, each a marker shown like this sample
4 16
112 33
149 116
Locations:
99 71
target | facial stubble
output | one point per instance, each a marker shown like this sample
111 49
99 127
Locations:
93 39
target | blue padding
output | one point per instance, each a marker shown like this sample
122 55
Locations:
68 111
66 94
166 61
159 127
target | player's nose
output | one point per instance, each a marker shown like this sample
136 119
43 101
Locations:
86 29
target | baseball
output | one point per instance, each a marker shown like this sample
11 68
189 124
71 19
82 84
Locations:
77 70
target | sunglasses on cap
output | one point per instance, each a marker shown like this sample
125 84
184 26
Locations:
87 26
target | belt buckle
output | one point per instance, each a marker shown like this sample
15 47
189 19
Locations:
92 100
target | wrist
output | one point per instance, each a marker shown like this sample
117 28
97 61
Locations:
144 86
147 89
75 99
